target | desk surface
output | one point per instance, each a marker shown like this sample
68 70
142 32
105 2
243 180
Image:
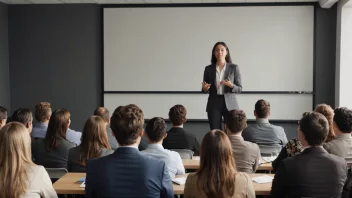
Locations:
68 185
194 164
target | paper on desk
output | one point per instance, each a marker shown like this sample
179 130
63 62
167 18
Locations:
83 185
180 181
269 159
263 179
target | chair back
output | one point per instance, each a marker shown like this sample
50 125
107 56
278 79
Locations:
56 173
184 153
267 150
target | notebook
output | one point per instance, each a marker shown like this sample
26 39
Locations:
180 181
263 179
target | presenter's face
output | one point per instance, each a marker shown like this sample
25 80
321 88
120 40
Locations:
220 52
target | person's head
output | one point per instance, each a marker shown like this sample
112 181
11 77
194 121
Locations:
216 162
236 121
313 129
262 109
24 116
58 125
43 112
177 115
15 146
3 116
156 130
220 51
103 113
328 112
343 120
127 124
94 138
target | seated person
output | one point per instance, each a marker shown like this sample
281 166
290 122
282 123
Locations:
314 172
94 145
126 172
155 133
177 137
52 151
104 113
246 154
24 116
3 116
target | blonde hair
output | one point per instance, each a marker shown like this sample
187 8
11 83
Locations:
15 144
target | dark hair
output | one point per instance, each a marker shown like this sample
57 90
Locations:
156 129
328 112
22 115
42 111
236 120
126 122
177 115
103 113
3 113
262 108
343 119
217 166
57 128
227 58
315 128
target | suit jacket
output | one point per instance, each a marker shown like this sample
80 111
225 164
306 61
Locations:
232 73
112 140
178 138
313 173
243 187
128 173
340 146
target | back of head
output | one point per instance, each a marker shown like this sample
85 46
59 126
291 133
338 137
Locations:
94 138
42 111
103 113
315 127
236 121
57 128
177 115
156 129
343 119
22 115
126 123
15 145
217 163
262 108
328 112
3 116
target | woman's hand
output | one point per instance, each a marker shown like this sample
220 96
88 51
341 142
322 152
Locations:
205 86
227 83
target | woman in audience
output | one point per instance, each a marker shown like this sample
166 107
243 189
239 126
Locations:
94 144
217 175
19 176
52 151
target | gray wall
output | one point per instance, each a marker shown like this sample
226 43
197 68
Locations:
55 56
4 58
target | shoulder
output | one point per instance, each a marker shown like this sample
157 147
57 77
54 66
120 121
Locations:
192 178
67 143
277 128
242 177
252 145
338 160
105 151
232 65
188 134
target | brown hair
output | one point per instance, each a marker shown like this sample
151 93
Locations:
177 115
15 145
156 129
315 128
262 108
217 166
126 123
57 128
42 111
94 138
236 120
328 112
103 113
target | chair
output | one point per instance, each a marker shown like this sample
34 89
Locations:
267 150
184 153
56 173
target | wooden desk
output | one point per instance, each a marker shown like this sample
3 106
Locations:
68 185
194 164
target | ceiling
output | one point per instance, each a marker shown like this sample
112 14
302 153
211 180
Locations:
141 1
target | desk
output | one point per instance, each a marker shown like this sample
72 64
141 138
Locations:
68 185
194 164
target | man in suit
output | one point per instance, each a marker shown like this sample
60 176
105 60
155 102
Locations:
314 172
342 144
104 114
126 172
246 154
3 116
177 137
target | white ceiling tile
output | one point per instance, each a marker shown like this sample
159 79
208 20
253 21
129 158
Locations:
186 1
157 1
15 1
136 1
111 1
46 1
78 1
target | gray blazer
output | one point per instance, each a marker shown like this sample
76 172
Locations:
232 73
341 146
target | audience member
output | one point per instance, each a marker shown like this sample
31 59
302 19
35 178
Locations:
217 175
104 113
342 145
177 137
306 175
24 116
328 112
94 145
155 133
3 116
128 173
19 176
246 154
52 151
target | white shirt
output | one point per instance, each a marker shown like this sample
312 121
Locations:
219 77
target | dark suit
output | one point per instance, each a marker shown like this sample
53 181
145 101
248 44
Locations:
128 173
219 105
178 138
313 173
